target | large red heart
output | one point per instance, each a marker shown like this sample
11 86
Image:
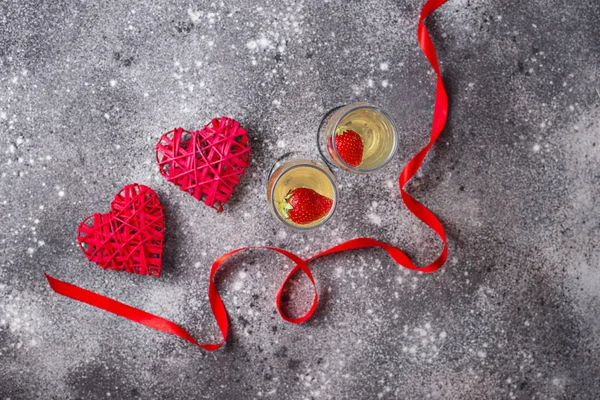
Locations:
208 163
130 237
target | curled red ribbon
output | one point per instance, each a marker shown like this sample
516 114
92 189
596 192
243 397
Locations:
440 113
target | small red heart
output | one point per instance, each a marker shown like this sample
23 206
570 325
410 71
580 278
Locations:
208 163
130 236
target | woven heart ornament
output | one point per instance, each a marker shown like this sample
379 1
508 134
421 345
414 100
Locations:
130 236
208 163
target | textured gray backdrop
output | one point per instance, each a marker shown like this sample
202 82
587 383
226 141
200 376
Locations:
87 88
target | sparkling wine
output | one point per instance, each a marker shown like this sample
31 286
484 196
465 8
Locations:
295 174
375 128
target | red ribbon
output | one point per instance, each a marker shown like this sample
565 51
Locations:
161 324
440 113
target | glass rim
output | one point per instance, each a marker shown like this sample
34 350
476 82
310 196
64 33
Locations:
311 164
357 106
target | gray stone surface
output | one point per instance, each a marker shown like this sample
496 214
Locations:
86 89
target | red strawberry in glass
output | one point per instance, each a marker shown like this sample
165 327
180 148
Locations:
350 147
301 193
304 206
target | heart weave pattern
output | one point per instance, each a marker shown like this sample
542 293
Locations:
130 237
207 164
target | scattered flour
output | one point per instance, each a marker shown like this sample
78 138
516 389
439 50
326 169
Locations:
374 219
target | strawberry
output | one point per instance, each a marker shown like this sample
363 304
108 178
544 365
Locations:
350 147
303 206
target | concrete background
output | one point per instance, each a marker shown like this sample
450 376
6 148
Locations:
86 89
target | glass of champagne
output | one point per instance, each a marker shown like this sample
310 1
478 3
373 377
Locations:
358 138
301 193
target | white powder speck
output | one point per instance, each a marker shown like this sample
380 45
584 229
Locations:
106 116
385 83
197 264
276 103
374 219
420 331
571 108
30 250
370 83
280 143
11 148
481 354
252 45
194 15
384 66
536 148
61 193
113 83
556 382
238 285
264 42
3 115
443 335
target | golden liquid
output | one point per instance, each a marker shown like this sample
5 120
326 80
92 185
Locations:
377 132
299 174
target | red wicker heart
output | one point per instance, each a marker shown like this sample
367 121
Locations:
130 237
208 163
